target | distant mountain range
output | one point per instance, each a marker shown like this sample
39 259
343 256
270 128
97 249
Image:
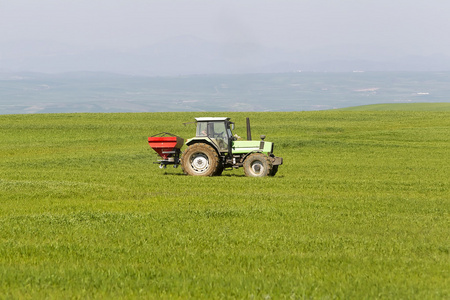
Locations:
189 55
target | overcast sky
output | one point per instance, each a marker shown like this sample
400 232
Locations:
412 26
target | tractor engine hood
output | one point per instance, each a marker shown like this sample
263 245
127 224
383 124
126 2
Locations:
239 147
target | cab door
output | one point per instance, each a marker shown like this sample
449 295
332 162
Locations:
218 133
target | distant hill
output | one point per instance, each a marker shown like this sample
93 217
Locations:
107 92
401 107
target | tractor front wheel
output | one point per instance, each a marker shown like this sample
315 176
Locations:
257 165
200 160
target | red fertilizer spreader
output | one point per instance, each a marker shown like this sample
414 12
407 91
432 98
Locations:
168 146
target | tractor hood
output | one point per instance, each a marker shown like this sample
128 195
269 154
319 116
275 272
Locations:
252 146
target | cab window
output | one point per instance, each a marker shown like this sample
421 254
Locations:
202 129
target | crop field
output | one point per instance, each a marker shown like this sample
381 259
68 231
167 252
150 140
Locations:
359 209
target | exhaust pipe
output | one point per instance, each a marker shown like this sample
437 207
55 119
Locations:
249 132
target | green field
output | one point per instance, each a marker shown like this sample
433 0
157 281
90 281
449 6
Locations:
358 210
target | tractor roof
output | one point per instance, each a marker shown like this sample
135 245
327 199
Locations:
208 119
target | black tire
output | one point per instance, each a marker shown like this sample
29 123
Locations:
257 165
219 170
274 170
200 160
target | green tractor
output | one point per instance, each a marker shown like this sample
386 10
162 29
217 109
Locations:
214 148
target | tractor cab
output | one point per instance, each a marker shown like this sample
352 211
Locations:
217 131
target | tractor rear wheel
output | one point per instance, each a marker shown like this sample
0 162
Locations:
257 165
200 160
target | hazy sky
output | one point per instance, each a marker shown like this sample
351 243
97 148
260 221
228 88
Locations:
410 26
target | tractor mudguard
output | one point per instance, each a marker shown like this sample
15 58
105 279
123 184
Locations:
205 140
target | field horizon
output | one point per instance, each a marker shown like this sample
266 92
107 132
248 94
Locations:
359 209
419 106
29 93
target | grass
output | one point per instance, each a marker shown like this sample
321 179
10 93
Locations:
358 210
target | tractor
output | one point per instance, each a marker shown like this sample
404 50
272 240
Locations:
214 148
